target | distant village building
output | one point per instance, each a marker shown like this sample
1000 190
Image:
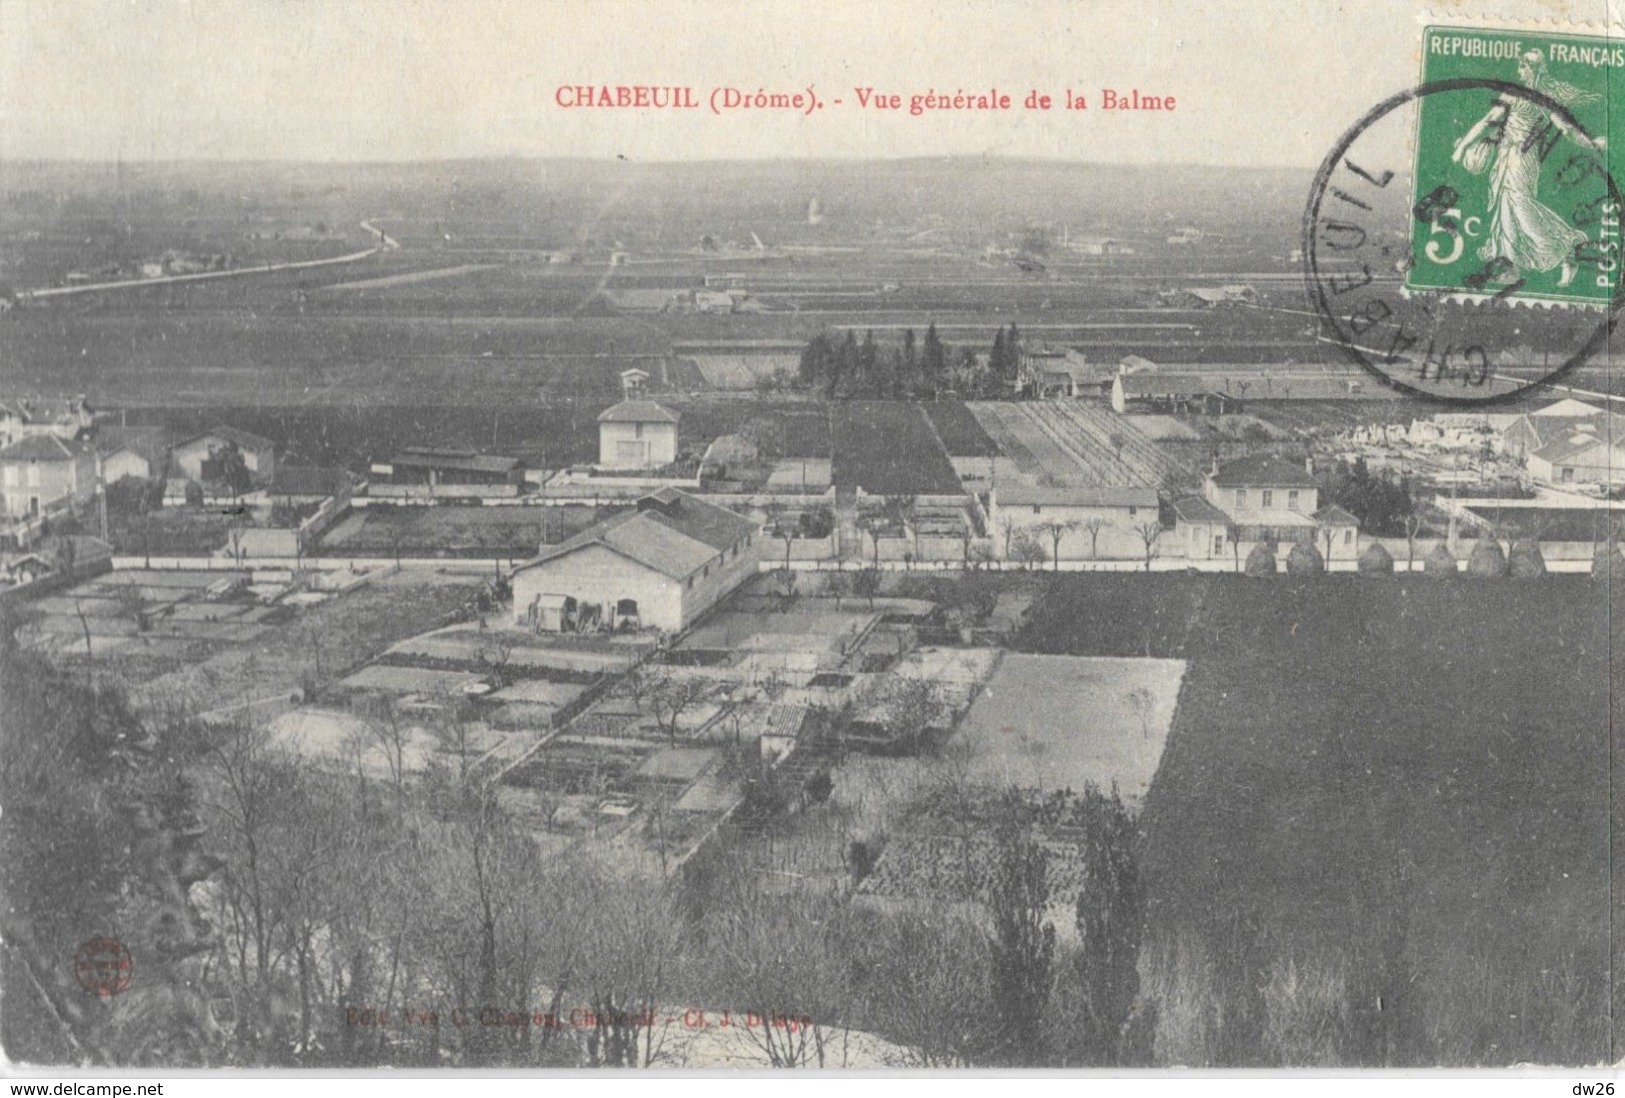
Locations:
1555 422
637 434
1262 498
139 452
1581 455
430 471
259 454
660 565
64 418
1206 297
1099 245
42 472
1154 391
1092 522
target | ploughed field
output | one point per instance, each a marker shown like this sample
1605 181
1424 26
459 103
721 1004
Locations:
1399 788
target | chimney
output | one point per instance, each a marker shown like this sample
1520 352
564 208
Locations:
1213 465
1309 464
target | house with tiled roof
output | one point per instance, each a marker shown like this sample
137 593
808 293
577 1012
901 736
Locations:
259 454
637 434
1590 452
660 565
1259 498
140 452
43 472
61 417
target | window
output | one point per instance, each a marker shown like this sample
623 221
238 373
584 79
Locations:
1268 498
708 569
1218 543
1568 473
1132 511
1037 510
1292 500
691 583
1241 497
1348 536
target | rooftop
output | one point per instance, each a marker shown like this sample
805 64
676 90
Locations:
1020 495
148 442
1333 515
1197 509
303 480
422 457
1265 471
245 440
637 411
671 532
43 448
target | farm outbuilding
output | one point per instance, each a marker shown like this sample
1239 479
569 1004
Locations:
1090 523
637 434
661 565
259 454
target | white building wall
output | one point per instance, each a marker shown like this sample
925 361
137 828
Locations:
1117 540
189 458
1249 506
594 574
650 445
124 463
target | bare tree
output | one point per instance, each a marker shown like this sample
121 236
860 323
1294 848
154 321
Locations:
786 579
495 653
1092 526
1149 533
631 935
133 605
670 696
1413 526
1056 531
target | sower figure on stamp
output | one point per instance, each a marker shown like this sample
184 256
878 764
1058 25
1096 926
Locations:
1524 233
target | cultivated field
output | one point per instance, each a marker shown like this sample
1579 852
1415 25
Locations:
887 447
454 531
1025 729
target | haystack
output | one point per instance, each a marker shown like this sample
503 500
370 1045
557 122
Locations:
1439 563
1487 561
1304 560
1376 561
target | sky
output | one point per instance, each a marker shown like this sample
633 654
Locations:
1256 84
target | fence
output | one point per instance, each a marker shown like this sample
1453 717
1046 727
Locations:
47 585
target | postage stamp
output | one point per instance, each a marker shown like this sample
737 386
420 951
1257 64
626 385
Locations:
1511 182
1462 237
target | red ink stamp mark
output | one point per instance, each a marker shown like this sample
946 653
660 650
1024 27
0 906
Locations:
103 967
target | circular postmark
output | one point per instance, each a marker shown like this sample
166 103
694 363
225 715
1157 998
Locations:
1461 242
103 967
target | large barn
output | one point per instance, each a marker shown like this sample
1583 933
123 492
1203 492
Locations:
658 566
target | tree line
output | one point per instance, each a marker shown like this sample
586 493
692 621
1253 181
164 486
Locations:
843 367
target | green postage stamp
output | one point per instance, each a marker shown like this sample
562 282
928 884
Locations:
1516 180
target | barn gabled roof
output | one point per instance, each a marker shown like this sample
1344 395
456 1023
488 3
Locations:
671 532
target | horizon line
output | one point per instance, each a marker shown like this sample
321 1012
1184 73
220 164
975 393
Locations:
16 160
